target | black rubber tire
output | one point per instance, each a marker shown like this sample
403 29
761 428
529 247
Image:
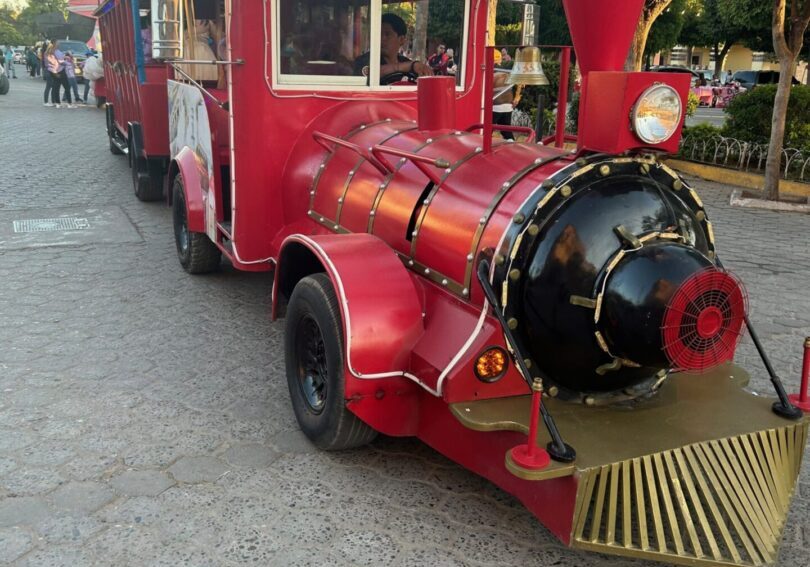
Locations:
101 101
4 85
332 427
196 252
146 184
114 149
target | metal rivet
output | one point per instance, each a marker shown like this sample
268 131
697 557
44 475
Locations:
499 259
514 275
410 262
362 126
469 257
565 191
479 149
527 362
505 185
547 184
403 160
677 185
538 161
322 165
512 323
604 170
429 141
371 214
465 291
589 401
711 254
448 170
581 162
533 229
382 185
321 219
427 271
388 120
519 218
396 131
312 193
483 220
444 282
337 227
700 215
414 233
426 202
458 132
553 391
340 199
644 168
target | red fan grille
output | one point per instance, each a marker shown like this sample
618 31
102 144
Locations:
703 320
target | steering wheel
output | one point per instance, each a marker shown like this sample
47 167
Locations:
398 76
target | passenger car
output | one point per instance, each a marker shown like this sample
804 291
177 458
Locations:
751 79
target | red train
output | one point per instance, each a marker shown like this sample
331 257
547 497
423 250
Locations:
466 290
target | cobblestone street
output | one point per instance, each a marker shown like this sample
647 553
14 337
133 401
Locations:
144 413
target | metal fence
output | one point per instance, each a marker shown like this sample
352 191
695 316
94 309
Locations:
744 156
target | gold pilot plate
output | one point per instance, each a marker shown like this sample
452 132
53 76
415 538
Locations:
702 474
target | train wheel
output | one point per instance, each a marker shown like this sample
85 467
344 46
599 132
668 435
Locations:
101 101
313 346
196 252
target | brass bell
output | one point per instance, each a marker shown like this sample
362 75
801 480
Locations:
528 69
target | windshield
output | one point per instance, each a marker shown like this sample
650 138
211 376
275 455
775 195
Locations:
75 47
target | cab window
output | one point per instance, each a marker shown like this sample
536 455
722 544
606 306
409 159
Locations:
323 38
368 43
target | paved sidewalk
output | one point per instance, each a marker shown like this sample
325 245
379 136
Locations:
144 413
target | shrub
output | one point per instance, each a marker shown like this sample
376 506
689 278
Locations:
695 137
692 103
750 115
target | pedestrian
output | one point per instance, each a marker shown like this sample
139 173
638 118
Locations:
503 102
56 77
33 61
92 71
438 61
452 68
70 73
10 69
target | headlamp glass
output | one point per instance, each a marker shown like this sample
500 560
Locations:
657 114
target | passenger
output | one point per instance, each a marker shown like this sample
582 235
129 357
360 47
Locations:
503 102
393 34
198 48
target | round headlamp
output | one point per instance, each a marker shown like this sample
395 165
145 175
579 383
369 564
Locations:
657 113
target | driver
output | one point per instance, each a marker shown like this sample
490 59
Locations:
392 37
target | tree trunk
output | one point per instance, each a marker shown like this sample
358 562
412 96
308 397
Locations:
773 165
635 58
420 33
719 58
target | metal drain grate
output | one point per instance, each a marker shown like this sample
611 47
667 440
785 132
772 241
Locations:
50 225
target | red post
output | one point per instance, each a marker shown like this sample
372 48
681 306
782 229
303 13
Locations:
436 98
562 97
801 400
530 456
489 79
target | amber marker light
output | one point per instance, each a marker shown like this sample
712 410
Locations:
491 364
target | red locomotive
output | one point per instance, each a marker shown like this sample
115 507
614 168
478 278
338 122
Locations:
441 284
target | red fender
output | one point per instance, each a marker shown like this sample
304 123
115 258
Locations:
194 179
381 308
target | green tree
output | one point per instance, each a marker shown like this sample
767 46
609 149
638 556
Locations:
9 35
666 30
27 18
788 38
650 12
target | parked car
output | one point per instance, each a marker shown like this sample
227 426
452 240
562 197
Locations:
79 50
19 57
677 69
751 79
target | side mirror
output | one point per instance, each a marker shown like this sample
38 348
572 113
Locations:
167 25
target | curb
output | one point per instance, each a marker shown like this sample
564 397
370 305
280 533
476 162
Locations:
737 200
751 181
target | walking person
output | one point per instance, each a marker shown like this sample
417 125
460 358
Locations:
10 70
70 73
33 62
